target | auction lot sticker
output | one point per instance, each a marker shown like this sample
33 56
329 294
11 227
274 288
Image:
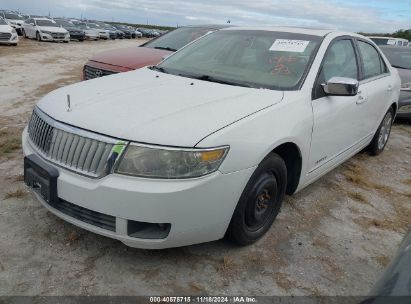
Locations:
288 45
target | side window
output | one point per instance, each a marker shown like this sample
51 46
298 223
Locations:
372 61
339 61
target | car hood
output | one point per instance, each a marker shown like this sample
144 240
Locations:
52 29
132 57
151 107
5 28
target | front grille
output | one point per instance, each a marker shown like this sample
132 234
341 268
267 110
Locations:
76 152
58 35
88 216
5 36
92 72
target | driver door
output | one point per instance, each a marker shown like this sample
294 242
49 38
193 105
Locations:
337 119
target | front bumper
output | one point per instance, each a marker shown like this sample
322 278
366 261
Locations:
199 210
77 36
49 37
14 39
92 37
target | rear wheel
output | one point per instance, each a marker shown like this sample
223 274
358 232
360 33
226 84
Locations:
260 201
380 138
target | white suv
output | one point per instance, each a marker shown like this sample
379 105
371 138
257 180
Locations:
207 143
44 29
8 35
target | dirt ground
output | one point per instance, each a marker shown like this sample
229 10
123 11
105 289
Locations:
333 238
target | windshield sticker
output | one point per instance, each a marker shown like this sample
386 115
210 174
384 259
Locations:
288 45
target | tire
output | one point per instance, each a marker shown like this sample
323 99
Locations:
23 32
260 202
81 40
380 138
38 37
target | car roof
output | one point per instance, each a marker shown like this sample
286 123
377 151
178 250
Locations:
296 30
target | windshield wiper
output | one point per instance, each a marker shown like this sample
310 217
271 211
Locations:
167 48
216 80
157 68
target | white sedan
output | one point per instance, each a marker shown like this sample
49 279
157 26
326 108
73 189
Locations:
44 29
8 35
207 143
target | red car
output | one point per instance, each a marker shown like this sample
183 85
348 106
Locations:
149 53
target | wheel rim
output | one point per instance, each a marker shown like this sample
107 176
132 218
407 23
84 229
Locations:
385 131
262 202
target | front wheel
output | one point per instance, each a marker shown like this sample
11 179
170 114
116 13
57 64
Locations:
260 201
380 138
38 37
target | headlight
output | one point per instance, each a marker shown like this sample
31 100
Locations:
170 163
13 31
46 32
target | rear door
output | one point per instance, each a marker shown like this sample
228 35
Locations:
376 85
338 124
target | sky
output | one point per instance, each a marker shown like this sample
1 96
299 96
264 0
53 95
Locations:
376 16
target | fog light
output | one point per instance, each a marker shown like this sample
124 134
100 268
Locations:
143 230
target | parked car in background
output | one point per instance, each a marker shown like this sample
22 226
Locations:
8 34
138 34
128 34
44 29
103 33
389 41
112 32
75 32
400 58
152 52
149 33
207 143
91 34
14 19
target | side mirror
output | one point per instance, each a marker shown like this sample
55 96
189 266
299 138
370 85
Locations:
341 86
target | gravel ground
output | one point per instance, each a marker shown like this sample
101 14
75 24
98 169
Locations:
333 238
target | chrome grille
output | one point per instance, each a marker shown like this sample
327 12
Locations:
92 72
58 35
5 36
83 154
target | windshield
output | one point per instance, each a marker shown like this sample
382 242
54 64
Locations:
178 38
64 23
398 57
94 26
46 23
13 16
81 25
260 59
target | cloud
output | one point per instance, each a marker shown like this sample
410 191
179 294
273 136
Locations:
371 16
